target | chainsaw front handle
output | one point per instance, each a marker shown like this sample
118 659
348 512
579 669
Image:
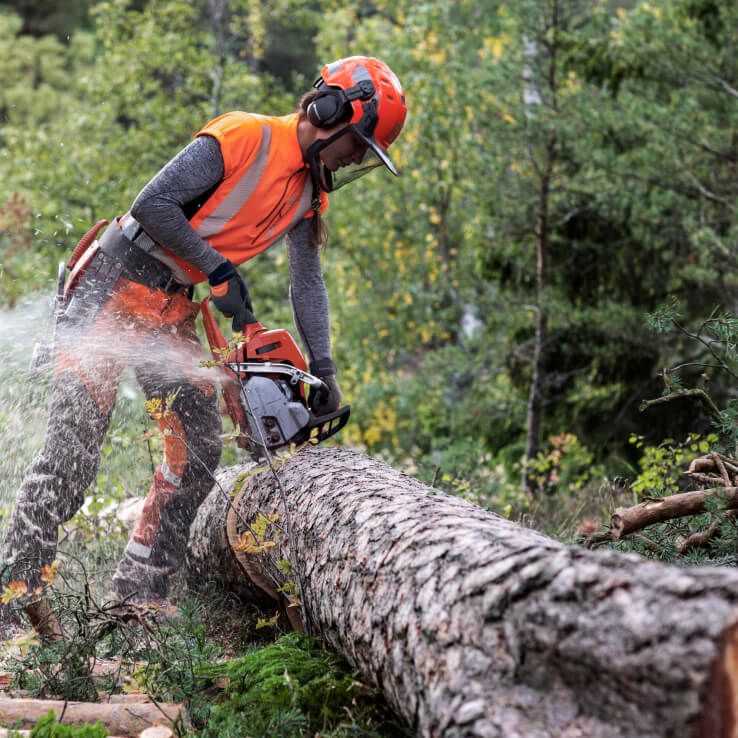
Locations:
268 367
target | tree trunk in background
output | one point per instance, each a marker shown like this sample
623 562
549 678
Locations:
470 624
535 395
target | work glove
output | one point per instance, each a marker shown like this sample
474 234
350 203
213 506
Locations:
230 295
324 401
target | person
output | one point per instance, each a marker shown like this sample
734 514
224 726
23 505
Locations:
241 184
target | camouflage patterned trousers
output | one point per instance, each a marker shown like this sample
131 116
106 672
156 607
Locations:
153 332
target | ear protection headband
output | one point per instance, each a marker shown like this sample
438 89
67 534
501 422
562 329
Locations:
332 105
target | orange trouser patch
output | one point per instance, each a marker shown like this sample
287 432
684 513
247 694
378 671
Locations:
160 495
175 443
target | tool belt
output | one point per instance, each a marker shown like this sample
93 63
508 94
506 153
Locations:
115 255
129 260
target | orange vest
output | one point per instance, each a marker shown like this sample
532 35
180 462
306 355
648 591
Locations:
266 188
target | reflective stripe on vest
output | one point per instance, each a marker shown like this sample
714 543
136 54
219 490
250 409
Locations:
241 192
303 206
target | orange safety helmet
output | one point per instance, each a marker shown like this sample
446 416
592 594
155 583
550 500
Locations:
366 94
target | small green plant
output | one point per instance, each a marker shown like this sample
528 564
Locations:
62 668
48 727
567 466
661 466
178 660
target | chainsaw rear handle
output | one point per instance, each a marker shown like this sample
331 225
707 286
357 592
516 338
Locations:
85 242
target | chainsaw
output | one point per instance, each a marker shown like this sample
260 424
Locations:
267 388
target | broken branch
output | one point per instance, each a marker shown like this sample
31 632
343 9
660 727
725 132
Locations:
626 520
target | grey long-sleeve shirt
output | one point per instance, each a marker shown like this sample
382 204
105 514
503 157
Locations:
162 209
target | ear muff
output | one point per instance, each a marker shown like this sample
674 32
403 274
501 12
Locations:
328 108
332 105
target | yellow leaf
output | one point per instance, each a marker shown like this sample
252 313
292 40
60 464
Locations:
267 622
13 591
372 435
154 407
48 573
250 544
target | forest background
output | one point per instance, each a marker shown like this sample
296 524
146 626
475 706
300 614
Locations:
568 169
561 246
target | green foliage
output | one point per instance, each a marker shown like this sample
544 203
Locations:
294 688
431 275
660 467
660 474
177 668
566 468
62 668
663 318
291 687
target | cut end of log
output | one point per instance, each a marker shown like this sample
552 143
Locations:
719 718
157 731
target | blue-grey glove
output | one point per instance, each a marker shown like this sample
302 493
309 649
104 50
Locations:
324 401
230 295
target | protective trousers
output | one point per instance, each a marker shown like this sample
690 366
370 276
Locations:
153 332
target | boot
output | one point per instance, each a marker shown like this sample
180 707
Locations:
44 619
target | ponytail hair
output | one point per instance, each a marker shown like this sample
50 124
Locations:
318 226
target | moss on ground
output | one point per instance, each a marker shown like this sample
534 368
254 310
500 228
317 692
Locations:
294 688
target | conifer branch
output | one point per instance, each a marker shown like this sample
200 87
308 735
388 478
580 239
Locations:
700 394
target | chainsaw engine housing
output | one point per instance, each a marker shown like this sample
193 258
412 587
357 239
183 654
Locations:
275 412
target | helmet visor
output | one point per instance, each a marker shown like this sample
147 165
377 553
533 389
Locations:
378 151
352 171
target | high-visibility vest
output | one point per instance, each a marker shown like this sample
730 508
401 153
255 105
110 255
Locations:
266 188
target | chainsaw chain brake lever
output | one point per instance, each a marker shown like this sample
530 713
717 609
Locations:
267 367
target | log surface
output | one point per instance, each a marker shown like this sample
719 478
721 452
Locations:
119 719
472 625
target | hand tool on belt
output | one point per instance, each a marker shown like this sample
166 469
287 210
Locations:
118 253
126 250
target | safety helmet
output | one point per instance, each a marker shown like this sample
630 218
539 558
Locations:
367 95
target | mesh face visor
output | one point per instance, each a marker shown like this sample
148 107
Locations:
344 175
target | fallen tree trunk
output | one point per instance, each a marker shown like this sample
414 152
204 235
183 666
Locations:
120 719
470 624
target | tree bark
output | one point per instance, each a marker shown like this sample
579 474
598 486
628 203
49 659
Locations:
470 624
